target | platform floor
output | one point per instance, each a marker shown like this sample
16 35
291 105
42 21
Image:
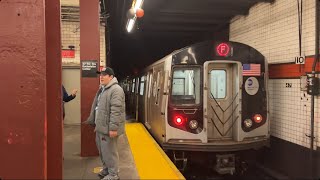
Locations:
139 154
76 167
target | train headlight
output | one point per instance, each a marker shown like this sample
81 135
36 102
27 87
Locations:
257 118
247 123
193 124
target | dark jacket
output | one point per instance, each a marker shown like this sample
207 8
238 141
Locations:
111 109
65 98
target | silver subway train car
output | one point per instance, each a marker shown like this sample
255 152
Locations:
208 97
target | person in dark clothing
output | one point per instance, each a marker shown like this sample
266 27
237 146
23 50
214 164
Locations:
67 98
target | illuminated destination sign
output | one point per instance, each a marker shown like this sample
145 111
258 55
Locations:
223 49
68 53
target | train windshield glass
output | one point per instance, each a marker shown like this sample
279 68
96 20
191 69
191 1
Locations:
218 84
186 86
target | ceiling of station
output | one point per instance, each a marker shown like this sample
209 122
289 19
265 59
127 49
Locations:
70 11
69 2
167 25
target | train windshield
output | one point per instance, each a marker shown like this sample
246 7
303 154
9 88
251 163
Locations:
186 86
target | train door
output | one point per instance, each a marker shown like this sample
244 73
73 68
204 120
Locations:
131 103
136 98
222 99
155 117
147 99
128 97
141 99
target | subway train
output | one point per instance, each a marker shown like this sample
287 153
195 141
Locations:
208 97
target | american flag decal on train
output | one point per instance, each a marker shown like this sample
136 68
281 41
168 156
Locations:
251 70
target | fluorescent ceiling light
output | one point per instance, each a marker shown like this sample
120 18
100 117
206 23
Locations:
130 24
138 4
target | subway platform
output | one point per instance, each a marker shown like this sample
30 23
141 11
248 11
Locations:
140 156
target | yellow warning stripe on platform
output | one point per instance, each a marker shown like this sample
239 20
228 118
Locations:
150 160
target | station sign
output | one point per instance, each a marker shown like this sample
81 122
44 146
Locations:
89 68
300 60
68 53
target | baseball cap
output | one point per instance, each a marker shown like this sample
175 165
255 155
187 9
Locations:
106 70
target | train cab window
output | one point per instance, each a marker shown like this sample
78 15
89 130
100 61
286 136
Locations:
141 85
218 84
186 86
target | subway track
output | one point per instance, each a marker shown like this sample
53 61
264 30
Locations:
200 166
201 172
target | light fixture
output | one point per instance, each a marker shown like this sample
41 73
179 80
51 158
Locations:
193 124
179 120
248 123
257 118
131 22
138 4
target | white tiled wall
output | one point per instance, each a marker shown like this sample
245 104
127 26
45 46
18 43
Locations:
273 30
70 34
290 112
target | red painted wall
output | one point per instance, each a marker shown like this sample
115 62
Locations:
54 100
89 50
290 70
23 99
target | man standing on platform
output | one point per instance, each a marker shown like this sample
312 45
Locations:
108 116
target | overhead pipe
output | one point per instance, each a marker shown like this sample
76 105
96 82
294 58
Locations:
313 74
316 58
108 29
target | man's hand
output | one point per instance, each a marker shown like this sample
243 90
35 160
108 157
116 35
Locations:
113 133
74 92
89 123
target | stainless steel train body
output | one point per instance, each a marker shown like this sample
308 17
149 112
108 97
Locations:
211 96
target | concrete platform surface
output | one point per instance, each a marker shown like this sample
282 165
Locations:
76 167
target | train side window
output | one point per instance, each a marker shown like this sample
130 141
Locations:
158 87
141 85
218 84
133 85
150 85
128 86
137 86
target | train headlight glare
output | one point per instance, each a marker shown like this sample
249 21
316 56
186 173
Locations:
193 124
257 118
178 120
247 123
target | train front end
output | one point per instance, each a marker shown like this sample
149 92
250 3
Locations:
217 101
